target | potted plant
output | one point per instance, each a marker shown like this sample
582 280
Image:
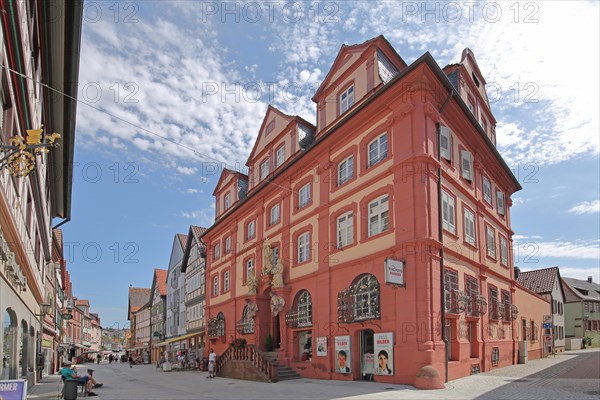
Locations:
239 343
269 343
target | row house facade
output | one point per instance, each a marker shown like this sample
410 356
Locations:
375 245
158 298
548 283
138 299
582 308
193 267
36 49
176 289
141 346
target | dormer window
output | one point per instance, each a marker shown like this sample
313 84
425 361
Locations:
280 156
346 99
264 169
227 200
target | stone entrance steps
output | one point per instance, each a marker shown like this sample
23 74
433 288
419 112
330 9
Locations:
283 373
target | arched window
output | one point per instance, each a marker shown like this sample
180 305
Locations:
246 324
9 334
300 316
216 326
359 301
24 348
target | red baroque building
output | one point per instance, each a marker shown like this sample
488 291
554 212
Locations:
400 177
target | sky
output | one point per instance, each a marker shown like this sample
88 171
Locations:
170 92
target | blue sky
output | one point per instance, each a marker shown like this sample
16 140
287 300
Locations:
172 91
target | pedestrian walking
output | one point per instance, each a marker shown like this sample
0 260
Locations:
130 362
98 358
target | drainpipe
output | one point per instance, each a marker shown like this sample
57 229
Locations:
441 238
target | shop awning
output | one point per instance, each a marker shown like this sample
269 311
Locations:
178 339
137 348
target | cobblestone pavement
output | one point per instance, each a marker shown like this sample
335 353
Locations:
570 376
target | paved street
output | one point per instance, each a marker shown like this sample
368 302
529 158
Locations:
575 375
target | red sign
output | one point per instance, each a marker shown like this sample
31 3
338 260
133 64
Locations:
547 338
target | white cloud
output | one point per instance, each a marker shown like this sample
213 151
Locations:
192 191
203 217
165 88
531 249
186 170
586 207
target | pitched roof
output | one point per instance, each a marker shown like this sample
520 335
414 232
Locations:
197 232
194 236
82 302
579 285
182 239
161 281
539 280
137 298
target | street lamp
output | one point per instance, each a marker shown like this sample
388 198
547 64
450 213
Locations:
45 309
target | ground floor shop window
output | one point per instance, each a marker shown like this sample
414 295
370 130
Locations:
9 333
304 345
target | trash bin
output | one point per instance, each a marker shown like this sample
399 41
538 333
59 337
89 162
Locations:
70 392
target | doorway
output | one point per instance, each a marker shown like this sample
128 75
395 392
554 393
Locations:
276 332
367 354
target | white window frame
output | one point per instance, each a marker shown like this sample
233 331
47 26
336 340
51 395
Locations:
345 170
345 229
445 143
264 169
448 212
500 202
380 151
378 215
249 268
466 165
227 245
490 241
487 189
280 158
503 250
275 214
303 247
346 99
250 230
225 281
304 196
469 227
227 200
215 291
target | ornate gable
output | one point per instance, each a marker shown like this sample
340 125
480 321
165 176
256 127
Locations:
274 122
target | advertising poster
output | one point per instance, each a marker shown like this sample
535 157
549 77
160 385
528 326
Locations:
343 360
384 353
321 346
15 389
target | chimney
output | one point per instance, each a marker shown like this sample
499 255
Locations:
589 279
517 272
